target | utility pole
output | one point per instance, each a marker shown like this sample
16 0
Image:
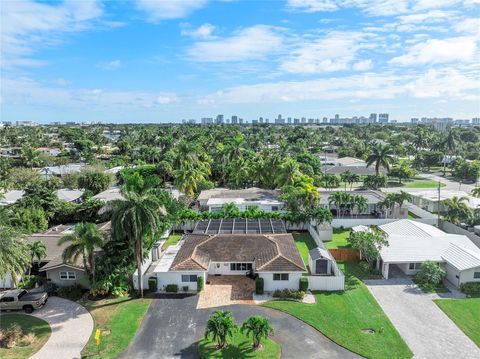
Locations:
438 206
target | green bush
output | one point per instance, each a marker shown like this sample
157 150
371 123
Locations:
152 284
259 285
171 288
303 286
30 282
430 274
289 294
199 284
470 287
185 288
75 292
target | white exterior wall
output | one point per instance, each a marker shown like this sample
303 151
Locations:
327 283
352 222
243 207
453 274
165 278
223 268
467 275
269 285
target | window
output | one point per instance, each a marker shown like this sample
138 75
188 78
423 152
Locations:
414 266
280 276
189 278
476 275
6 299
67 275
274 208
240 266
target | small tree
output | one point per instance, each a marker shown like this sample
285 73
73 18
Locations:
430 274
37 251
368 243
259 327
220 325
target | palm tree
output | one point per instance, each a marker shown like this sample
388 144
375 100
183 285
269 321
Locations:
220 325
339 199
30 157
449 145
14 256
287 172
259 327
134 218
457 209
476 192
84 240
381 155
37 251
189 176
360 202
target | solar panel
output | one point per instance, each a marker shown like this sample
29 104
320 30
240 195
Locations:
240 226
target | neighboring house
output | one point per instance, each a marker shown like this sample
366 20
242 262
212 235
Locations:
432 202
53 266
110 194
61 170
266 200
350 162
412 243
70 195
13 152
372 209
359 170
11 197
51 151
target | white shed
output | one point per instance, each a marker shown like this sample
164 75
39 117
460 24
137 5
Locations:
320 261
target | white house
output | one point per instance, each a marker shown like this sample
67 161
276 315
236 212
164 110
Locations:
51 151
432 202
266 200
350 161
412 243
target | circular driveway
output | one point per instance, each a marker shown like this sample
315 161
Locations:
172 328
71 326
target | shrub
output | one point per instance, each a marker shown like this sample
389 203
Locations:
28 339
171 288
259 285
303 286
11 336
152 284
30 282
289 294
75 292
470 287
199 284
430 274
185 288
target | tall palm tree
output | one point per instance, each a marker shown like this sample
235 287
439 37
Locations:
381 155
339 200
457 209
84 240
37 251
287 172
259 327
14 256
360 202
348 177
220 326
189 176
134 218
449 145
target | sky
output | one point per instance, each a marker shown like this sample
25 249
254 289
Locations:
163 61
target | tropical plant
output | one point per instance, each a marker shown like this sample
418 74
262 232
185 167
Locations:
476 191
94 181
456 209
14 255
382 156
37 251
83 242
360 202
258 327
368 243
135 218
350 178
220 326
430 274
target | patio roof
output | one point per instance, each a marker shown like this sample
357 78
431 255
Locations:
240 226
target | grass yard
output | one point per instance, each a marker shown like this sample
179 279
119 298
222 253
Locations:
239 346
171 240
465 313
304 243
28 323
416 183
347 318
339 239
118 320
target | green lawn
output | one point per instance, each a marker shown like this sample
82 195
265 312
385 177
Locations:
28 323
171 240
118 320
339 239
345 317
416 183
465 313
305 243
239 346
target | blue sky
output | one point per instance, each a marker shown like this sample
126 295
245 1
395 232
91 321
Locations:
161 61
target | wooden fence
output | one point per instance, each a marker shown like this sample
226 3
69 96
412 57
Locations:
345 254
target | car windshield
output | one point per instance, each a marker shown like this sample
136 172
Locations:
22 293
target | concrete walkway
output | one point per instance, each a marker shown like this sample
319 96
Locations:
423 325
71 326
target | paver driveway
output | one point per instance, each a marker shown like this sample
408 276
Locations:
226 290
425 328
173 326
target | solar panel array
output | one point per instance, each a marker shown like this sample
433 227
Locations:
240 226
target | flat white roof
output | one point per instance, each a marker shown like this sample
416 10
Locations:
69 195
11 197
110 194
461 258
407 227
166 260
432 195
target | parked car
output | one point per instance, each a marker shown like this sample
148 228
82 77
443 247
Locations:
20 299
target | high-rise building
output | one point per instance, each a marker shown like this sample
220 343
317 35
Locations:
414 120
260 119
296 121
234 120
476 121
373 118
289 120
219 120
383 118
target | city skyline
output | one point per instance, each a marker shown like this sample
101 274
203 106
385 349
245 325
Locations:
152 61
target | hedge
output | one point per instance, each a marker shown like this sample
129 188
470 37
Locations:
259 285
199 284
303 286
171 288
152 284
470 287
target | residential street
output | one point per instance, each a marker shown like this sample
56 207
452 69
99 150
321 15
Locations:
172 327
423 325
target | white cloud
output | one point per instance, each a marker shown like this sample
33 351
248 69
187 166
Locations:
439 51
469 26
165 100
27 25
333 52
246 44
363 65
429 16
110 65
169 9
204 31
312 5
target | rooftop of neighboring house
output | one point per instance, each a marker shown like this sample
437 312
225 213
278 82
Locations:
48 149
111 194
432 195
350 161
271 253
359 170
11 197
247 194
69 195
412 241
63 169
373 197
